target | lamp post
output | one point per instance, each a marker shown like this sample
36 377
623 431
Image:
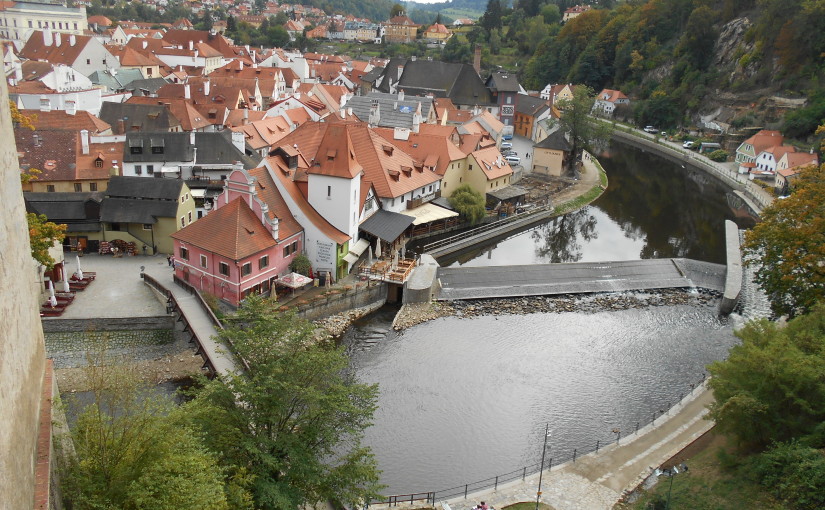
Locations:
541 469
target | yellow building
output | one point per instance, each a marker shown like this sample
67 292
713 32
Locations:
400 29
437 33
487 170
550 156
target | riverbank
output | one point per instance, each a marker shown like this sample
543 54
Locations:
413 314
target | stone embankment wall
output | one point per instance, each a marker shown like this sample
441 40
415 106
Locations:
733 278
109 324
366 294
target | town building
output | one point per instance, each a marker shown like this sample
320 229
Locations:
400 29
19 20
552 155
607 100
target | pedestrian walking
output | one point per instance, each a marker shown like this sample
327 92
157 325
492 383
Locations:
169 260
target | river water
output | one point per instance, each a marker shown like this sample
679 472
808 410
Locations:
467 399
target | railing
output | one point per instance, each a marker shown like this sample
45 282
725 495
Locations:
556 459
415 202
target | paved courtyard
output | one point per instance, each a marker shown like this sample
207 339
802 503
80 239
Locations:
117 291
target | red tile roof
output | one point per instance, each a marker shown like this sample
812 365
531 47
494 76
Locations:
66 53
232 231
492 163
268 192
59 119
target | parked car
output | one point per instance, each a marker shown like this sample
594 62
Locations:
506 145
509 153
507 137
650 129
513 160
688 144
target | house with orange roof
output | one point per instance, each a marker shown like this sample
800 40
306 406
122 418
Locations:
607 100
400 29
83 53
574 12
270 80
244 244
556 92
750 149
243 117
789 166
261 135
194 54
183 39
131 58
69 161
551 155
437 33
64 121
488 170
187 116
99 22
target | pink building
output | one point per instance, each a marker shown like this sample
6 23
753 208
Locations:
243 245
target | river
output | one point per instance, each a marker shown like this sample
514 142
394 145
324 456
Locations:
466 399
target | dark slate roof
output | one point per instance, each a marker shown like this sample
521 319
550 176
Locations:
214 148
386 225
443 202
459 82
137 117
115 81
142 86
530 105
507 193
393 113
61 207
143 188
503 81
373 75
556 141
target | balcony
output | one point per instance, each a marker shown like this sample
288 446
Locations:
419 201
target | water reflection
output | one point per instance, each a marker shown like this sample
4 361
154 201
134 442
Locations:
653 208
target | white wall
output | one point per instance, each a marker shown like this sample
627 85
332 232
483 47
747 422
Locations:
341 205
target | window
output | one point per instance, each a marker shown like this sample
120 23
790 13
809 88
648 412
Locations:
190 216
203 261
78 187
30 24
157 150
329 191
92 186
263 262
509 99
183 221
75 26
147 226
246 269
88 60
135 150
184 253
138 168
402 198
98 163
50 188
223 268
431 188
150 169
471 167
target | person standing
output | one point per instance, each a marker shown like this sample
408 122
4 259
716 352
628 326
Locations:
169 260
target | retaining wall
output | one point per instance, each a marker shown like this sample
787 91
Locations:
109 324
362 295
733 279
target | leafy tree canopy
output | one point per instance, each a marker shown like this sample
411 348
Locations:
469 203
295 420
770 387
788 246
575 121
43 234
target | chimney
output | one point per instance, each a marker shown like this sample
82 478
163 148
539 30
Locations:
191 138
375 113
401 95
71 106
191 45
145 44
238 140
240 65
400 71
115 169
72 40
47 37
206 87
477 60
84 140
18 71
57 39
121 126
186 92
245 120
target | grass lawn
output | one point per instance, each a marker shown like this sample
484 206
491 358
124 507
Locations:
707 485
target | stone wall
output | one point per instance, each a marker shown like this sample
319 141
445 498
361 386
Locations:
22 360
358 296
109 324
733 279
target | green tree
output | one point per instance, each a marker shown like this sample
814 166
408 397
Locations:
550 13
795 473
301 265
43 234
492 16
131 453
771 386
788 246
575 122
295 420
469 203
456 51
397 10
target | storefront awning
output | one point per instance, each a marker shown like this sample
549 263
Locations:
359 247
427 213
169 169
351 258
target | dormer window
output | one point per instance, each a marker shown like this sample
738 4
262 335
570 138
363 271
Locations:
136 146
98 163
157 145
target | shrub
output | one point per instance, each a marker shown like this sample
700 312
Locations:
301 265
718 155
794 473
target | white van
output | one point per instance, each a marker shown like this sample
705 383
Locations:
513 160
506 146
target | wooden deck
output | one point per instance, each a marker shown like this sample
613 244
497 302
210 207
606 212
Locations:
384 270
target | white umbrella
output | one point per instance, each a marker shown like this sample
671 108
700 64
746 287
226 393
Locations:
79 271
403 251
66 287
377 247
52 299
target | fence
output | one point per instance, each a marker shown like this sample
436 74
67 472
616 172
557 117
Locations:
557 459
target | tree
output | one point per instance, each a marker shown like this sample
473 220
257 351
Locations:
492 16
397 10
43 234
770 387
301 265
132 453
20 120
296 419
788 246
469 203
575 122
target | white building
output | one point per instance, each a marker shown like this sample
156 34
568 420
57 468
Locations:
19 21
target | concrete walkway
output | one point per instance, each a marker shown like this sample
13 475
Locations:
200 323
598 481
